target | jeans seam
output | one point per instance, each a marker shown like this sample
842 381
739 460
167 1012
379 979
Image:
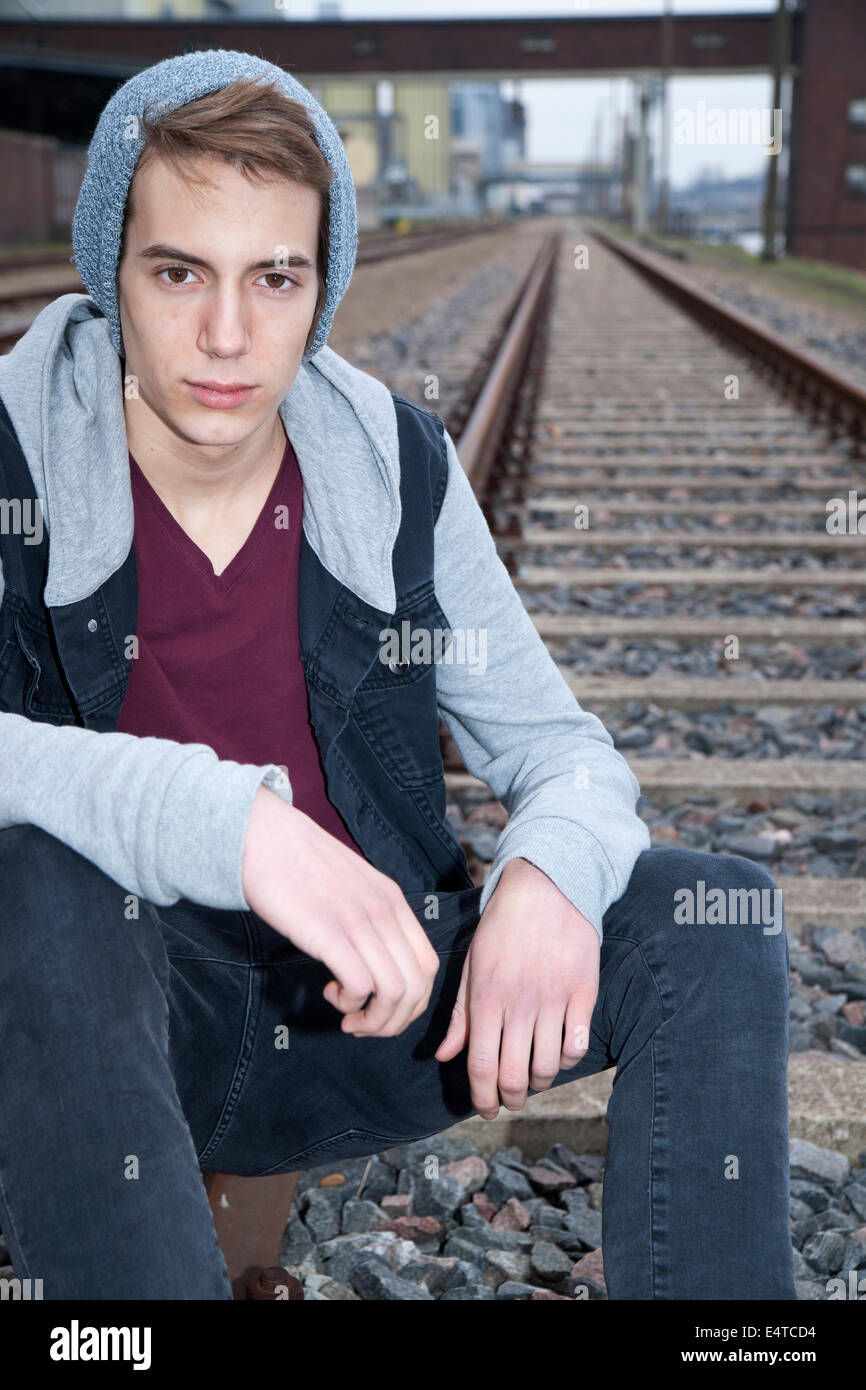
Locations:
242 1061
652 1186
654 1100
24 1271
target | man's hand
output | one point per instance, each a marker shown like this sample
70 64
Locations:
332 904
527 992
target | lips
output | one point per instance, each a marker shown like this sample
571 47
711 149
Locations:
220 395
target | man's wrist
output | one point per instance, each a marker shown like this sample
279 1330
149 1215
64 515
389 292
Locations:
519 872
520 868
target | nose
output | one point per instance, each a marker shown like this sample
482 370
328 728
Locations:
224 330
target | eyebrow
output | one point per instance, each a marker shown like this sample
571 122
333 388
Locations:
294 261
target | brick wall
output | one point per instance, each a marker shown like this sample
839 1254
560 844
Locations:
27 175
827 222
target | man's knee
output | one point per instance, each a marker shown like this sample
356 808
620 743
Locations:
723 898
36 867
53 899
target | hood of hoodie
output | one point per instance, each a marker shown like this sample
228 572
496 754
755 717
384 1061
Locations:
63 382
117 145
62 385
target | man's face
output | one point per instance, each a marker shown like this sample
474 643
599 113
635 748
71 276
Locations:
199 303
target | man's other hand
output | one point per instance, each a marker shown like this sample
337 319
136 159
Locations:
527 992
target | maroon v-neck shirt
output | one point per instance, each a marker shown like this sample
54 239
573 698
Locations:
218 655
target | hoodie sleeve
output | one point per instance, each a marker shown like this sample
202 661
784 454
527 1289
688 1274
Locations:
571 797
165 820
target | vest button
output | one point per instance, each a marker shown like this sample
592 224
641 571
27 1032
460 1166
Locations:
92 625
399 668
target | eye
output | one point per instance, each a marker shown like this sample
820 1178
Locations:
181 269
278 275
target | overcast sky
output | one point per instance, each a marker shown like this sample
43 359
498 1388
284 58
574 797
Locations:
564 115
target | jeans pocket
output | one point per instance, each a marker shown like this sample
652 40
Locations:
350 1143
448 919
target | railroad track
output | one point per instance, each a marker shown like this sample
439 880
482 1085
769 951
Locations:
28 283
656 469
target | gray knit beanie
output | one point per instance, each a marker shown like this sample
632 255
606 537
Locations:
114 151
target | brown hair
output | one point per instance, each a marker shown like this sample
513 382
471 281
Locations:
258 130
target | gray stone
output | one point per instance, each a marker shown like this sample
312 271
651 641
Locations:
464 1275
854 1257
589 1167
822 866
354 1240
337 1292
797 1210
800 1038
506 1264
340 1268
548 1262
381 1181
548 1216
322 1216
465 1250
467 1295
361 1215
816 972
586 1226
806 1290
830 1004
407 1182
758 847
634 736
505 1182
850 1033
811 1193
471 1216
433 1271
560 1236
514 1289
856 1194
586 1167
580 1287
810 1161
512 1157
831 1219
490 1238
446 1148
833 841
374 1280
297 1243
577 1200
825 1251
437 1196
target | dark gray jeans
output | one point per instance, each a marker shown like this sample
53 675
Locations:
135 1050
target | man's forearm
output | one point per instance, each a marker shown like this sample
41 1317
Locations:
164 820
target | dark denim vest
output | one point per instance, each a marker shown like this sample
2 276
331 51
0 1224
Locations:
376 724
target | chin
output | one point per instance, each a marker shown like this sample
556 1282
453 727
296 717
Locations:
204 426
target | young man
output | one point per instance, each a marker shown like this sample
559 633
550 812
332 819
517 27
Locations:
238 932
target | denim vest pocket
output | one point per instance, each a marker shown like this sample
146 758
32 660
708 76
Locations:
395 705
31 682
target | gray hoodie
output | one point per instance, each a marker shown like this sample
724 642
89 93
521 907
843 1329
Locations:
167 820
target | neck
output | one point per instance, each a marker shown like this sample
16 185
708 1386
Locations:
199 483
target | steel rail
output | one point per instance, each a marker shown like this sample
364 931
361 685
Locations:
809 378
485 431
